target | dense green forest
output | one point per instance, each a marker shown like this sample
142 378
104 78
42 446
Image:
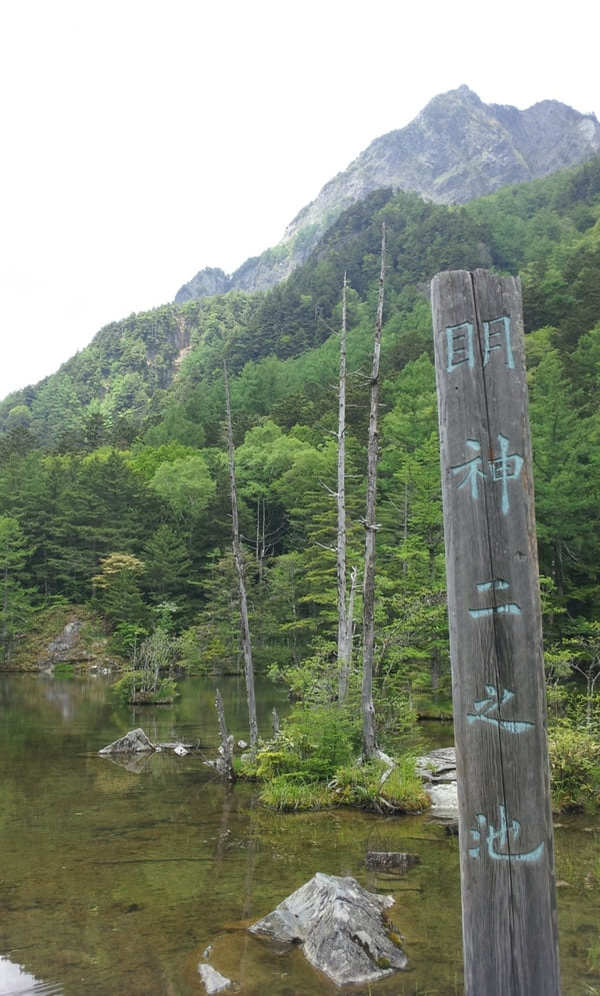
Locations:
114 481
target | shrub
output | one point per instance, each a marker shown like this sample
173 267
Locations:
574 768
312 745
146 683
128 691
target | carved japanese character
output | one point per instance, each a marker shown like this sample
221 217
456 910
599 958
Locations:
488 711
504 609
460 345
500 842
498 328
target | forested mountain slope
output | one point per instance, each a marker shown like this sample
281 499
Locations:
456 149
114 483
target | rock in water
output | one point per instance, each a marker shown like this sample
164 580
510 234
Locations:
341 927
399 860
444 801
132 743
438 770
438 766
213 981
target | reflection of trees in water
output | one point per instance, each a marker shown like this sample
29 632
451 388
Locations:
251 862
224 835
63 697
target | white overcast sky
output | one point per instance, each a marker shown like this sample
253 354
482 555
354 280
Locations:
145 139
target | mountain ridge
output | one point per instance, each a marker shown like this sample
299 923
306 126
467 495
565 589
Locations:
456 149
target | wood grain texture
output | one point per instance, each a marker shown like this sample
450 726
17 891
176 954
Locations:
506 848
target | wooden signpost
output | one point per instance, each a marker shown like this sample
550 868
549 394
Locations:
505 822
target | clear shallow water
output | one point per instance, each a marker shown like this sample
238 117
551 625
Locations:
115 881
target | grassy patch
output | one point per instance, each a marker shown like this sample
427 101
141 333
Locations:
357 785
64 670
311 765
366 786
288 795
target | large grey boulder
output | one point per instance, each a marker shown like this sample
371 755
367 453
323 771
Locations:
132 743
342 929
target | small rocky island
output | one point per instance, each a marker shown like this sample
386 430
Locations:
342 929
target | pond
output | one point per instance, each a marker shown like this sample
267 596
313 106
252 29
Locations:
115 881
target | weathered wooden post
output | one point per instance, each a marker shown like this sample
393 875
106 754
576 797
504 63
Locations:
505 821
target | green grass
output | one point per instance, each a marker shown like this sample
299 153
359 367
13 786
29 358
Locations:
287 795
361 785
355 785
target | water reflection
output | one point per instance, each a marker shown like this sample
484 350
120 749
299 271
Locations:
116 883
14 981
135 763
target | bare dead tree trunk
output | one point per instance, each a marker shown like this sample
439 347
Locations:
293 646
405 528
258 535
275 720
5 617
342 645
368 710
261 542
238 558
590 684
347 658
224 763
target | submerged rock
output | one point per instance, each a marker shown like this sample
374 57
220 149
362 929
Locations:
401 861
438 770
213 981
132 743
341 927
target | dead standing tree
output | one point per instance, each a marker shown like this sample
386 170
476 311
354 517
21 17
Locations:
344 669
238 558
224 762
345 607
369 739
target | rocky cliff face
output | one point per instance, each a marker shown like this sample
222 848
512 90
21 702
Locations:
456 149
207 282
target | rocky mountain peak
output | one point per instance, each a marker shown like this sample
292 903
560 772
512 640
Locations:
457 148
